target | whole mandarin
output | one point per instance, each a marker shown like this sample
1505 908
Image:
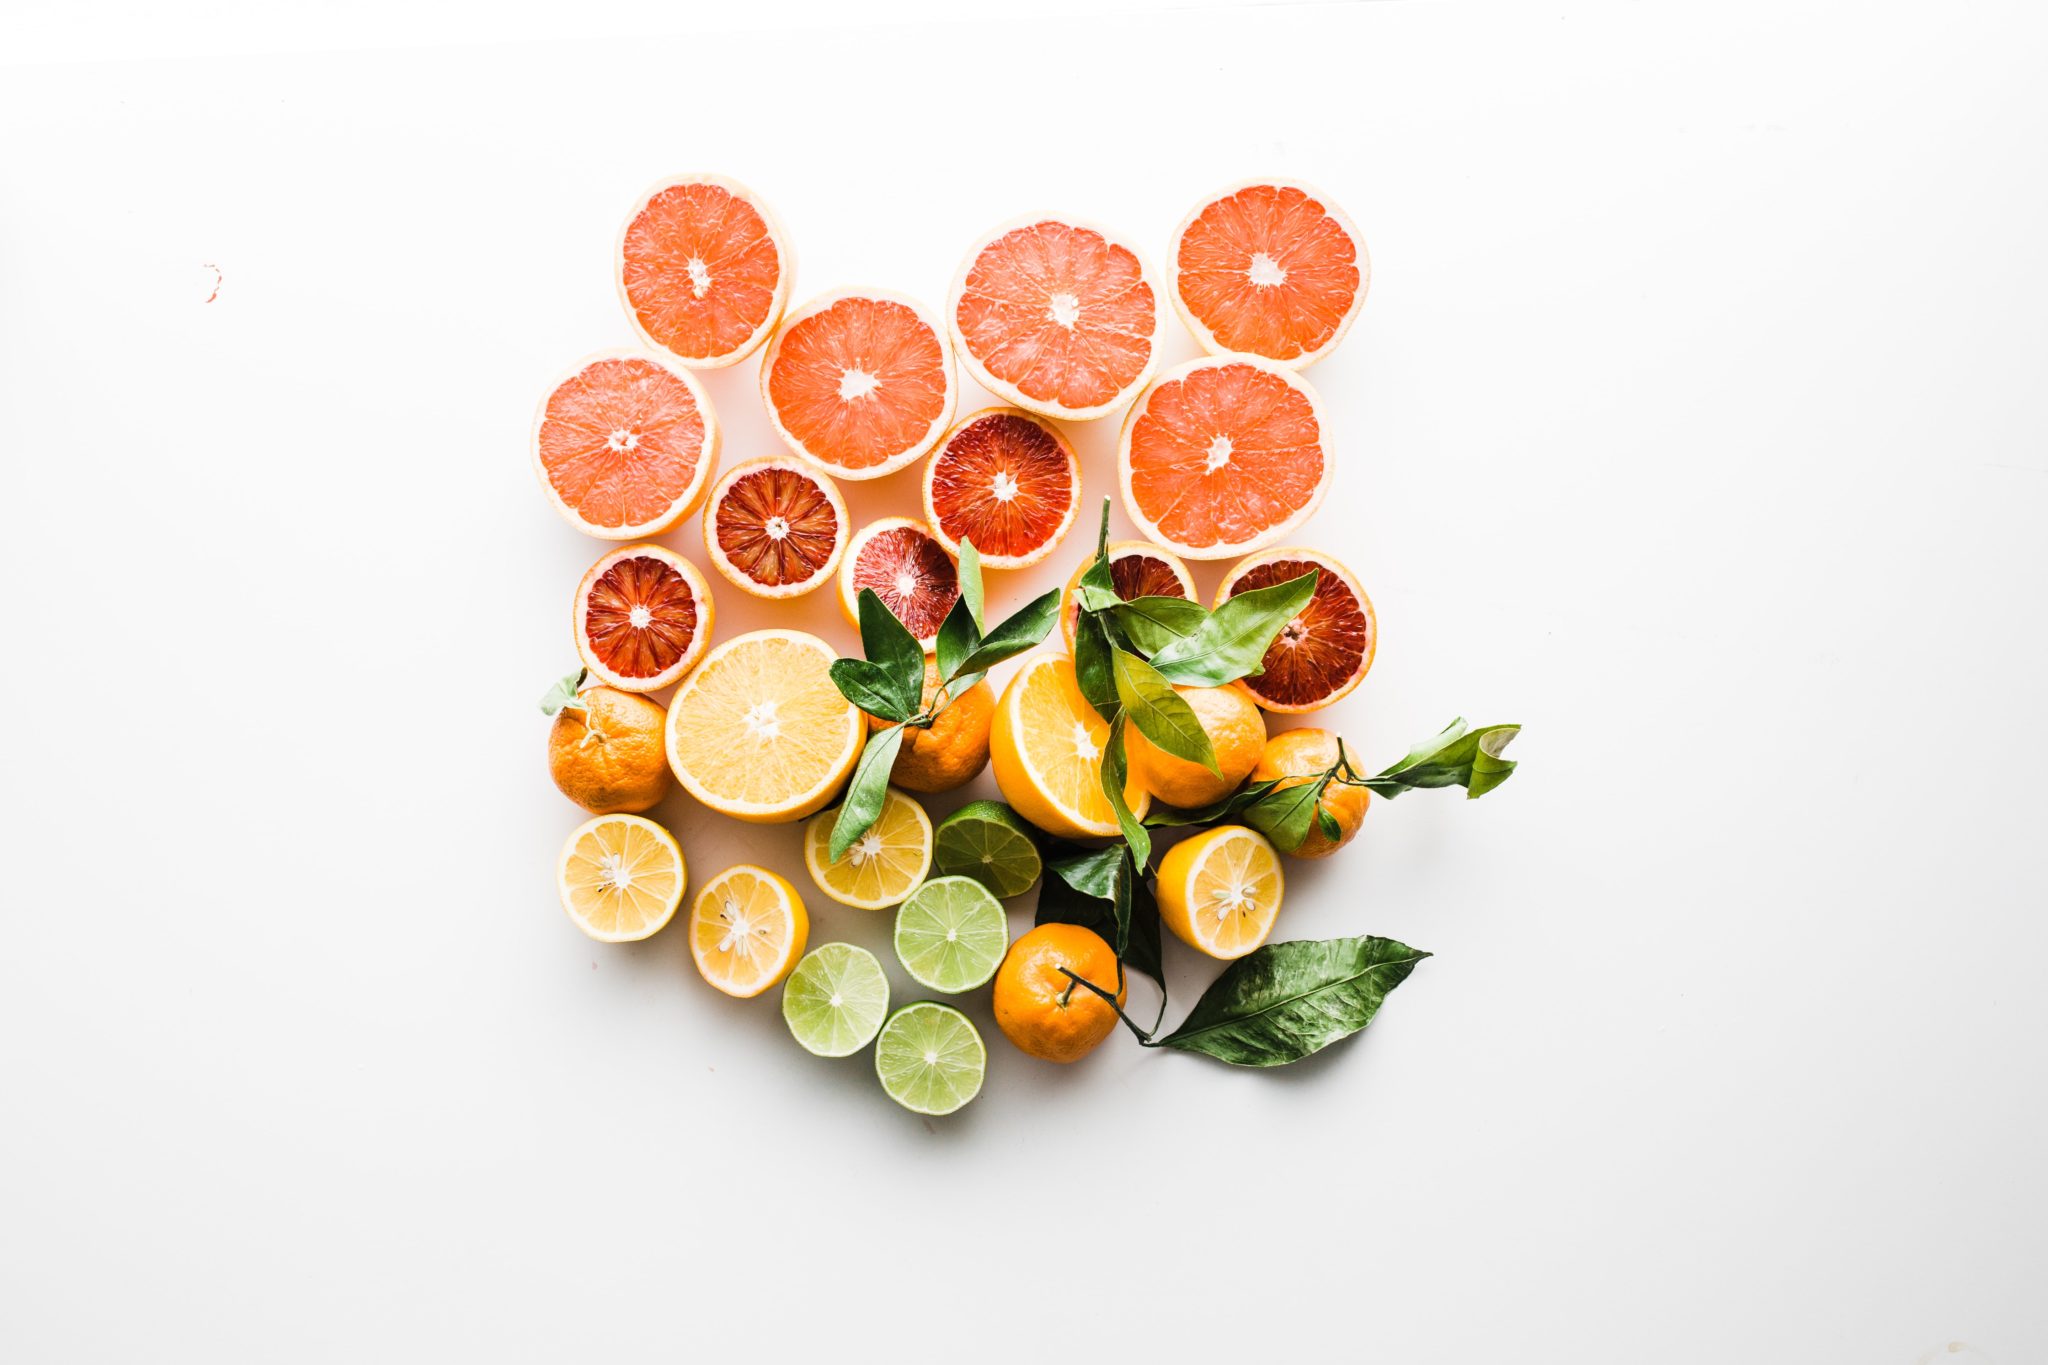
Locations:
1237 732
952 750
1302 755
608 755
1043 1012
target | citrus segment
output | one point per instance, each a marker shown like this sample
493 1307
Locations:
930 1059
1047 746
643 617
1006 480
986 841
951 934
859 382
624 444
621 877
835 1000
1220 890
883 865
758 731
913 574
1269 268
747 928
703 269
1057 317
1223 455
1139 569
1323 653
776 527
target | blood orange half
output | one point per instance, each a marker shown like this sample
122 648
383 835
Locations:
1139 569
1323 653
860 382
1006 480
643 617
1269 268
703 269
775 527
908 568
624 444
1057 317
1223 455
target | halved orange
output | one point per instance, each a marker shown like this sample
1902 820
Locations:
643 617
1056 316
1223 455
1006 480
1271 268
1139 569
1323 653
776 527
914 574
624 444
1047 744
703 269
860 382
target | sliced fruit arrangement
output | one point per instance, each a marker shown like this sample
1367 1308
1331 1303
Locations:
643 617
703 269
776 527
859 382
883 866
951 934
989 842
1219 890
1323 653
930 1058
1047 744
1056 316
1006 480
1137 568
1271 268
917 577
835 1000
747 929
621 877
624 444
758 731
1223 455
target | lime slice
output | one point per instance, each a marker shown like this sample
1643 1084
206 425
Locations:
952 934
835 999
930 1058
990 843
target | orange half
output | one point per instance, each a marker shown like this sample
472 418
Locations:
703 269
1269 268
624 444
859 382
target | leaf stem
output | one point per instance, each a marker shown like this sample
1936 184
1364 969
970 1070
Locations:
1077 980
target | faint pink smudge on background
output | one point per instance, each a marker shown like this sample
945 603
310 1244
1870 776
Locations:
216 281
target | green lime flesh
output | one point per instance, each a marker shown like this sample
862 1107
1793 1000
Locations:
835 1000
930 1058
951 934
990 843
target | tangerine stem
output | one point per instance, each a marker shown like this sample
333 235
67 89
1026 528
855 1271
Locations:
1129 1023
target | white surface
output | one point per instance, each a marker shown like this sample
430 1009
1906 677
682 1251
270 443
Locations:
1694 421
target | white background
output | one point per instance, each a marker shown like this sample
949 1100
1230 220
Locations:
1694 421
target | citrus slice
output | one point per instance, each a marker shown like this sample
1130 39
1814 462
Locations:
951 934
747 929
624 444
703 269
1269 268
1222 456
758 731
930 1059
986 840
643 617
1323 653
913 574
1056 316
1006 480
883 865
860 382
776 527
835 1000
1139 569
1046 744
621 877
1220 889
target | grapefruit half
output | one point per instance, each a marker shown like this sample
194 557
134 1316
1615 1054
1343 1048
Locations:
703 269
859 382
1323 653
913 574
624 444
775 527
1006 480
1271 268
643 617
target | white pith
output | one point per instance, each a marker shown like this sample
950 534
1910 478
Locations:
1265 272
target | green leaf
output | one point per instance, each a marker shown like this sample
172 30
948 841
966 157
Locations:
1327 823
1284 1001
1285 814
1025 627
1100 889
1092 667
563 693
1159 712
1098 575
1115 773
1215 811
1153 623
872 688
968 572
958 637
1090 871
867 791
888 642
1232 643
1456 757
